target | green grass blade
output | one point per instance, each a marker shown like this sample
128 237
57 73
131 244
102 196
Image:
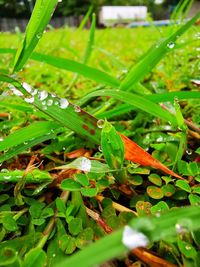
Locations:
62 111
138 102
86 17
156 98
30 132
36 176
73 66
88 50
153 56
40 17
70 65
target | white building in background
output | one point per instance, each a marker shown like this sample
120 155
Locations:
111 15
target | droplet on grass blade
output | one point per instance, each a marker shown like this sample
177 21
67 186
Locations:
49 102
7 177
100 124
134 239
39 35
42 95
1 139
15 91
35 91
64 103
77 108
180 229
171 45
27 87
29 100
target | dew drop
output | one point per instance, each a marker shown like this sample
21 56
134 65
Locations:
29 100
56 103
100 149
1 139
27 87
100 123
53 95
42 95
133 239
85 165
189 151
4 170
180 229
44 103
77 108
15 91
171 45
53 255
64 103
25 143
49 102
7 177
187 247
35 91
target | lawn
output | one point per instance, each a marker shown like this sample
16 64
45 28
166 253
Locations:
99 148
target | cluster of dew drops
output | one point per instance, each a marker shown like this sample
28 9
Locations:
46 98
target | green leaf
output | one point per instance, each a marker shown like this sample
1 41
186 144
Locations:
35 257
75 226
40 17
82 179
67 244
155 179
9 223
70 184
7 256
168 190
136 180
112 146
84 237
160 207
183 184
194 199
60 205
155 192
187 249
143 208
89 192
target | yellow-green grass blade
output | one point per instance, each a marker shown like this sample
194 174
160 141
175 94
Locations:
153 56
40 17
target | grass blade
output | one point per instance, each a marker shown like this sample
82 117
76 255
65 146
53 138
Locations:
86 17
138 102
153 56
40 17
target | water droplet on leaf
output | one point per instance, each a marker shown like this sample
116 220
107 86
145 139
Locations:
100 123
77 108
171 45
64 103
27 87
49 102
29 100
42 95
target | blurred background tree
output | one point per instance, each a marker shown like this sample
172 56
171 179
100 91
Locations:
158 9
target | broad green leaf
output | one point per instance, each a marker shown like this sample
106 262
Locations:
82 179
168 190
89 192
187 249
155 179
160 207
40 17
84 237
35 257
9 223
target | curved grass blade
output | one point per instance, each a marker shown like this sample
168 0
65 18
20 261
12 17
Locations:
86 17
137 101
153 56
40 17
156 98
73 66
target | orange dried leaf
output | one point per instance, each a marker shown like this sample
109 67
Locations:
136 154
